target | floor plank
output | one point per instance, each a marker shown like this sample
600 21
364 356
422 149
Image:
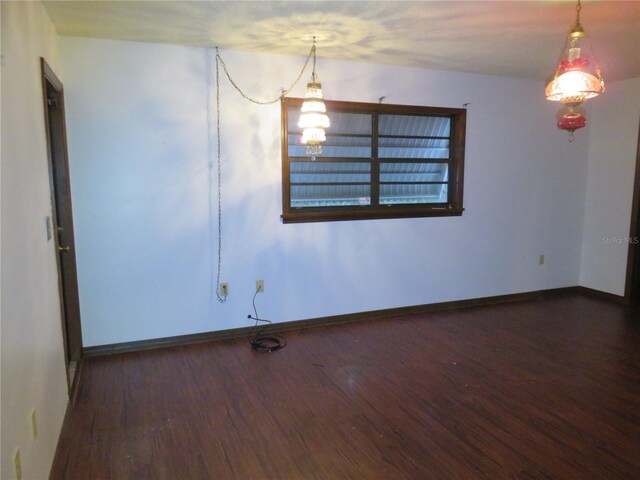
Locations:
545 389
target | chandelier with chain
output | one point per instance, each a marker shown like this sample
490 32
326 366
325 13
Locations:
577 78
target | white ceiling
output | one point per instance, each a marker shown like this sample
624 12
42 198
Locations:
512 38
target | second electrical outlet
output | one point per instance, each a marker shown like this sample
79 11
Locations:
259 285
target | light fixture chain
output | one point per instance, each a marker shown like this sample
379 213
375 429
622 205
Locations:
220 61
221 299
596 65
313 51
284 92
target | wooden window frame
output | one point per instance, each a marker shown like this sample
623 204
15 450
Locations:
453 207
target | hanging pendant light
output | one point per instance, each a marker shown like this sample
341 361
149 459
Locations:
313 114
577 77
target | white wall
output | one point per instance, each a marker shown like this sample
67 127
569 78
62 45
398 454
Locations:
139 147
33 373
612 161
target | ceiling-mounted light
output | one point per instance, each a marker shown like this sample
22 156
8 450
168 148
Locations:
313 114
577 77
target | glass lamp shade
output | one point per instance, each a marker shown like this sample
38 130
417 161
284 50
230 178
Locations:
314 90
574 86
313 119
577 77
312 136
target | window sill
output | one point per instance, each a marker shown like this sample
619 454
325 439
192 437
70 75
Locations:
319 215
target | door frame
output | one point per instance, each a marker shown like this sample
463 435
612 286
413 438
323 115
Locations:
632 286
59 159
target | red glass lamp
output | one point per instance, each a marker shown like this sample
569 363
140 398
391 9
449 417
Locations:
577 78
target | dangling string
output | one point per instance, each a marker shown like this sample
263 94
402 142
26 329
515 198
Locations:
283 93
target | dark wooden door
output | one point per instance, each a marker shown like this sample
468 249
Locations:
62 213
634 253
632 293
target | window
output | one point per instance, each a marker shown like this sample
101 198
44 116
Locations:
379 161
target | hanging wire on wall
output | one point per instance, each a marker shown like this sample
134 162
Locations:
220 62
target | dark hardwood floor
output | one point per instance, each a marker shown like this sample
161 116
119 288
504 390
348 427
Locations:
545 389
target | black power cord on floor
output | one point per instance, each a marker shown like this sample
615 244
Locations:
260 341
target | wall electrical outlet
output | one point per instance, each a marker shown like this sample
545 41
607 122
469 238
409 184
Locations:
34 424
259 285
224 289
17 464
541 260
